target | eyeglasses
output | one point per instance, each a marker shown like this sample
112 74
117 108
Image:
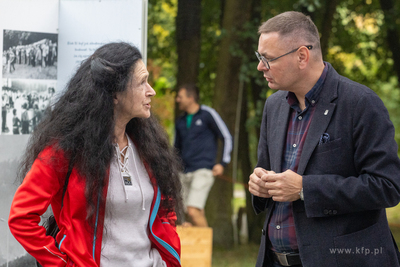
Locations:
266 62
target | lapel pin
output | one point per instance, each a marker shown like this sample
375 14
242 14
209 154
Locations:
326 112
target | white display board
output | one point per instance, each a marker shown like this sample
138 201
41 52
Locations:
42 43
86 25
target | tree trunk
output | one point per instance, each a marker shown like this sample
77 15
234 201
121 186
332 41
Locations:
254 222
219 208
188 25
326 27
392 34
188 43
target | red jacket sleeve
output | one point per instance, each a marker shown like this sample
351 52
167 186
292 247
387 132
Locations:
31 200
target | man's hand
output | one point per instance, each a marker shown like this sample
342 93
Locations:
283 187
218 170
257 185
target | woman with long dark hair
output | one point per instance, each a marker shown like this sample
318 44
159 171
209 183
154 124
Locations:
118 208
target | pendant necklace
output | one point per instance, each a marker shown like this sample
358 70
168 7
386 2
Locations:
124 153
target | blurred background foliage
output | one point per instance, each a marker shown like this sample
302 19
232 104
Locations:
360 38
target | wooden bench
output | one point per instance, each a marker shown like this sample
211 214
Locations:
196 246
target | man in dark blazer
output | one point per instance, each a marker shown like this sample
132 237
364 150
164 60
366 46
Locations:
327 159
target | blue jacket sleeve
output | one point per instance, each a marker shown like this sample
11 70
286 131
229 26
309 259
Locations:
219 128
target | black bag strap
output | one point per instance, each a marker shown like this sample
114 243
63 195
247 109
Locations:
70 166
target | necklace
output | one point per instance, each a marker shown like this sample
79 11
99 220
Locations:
124 153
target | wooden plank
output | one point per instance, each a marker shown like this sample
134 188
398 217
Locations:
196 246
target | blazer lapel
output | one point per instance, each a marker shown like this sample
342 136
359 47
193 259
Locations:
322 116
279 136
319 124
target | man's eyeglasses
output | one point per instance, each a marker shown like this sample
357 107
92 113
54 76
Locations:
266 62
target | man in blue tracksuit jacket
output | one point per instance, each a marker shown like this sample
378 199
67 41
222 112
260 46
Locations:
196 139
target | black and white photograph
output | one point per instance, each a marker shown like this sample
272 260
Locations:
29 55
28 34
24 104
40 43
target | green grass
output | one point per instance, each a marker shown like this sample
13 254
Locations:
240 256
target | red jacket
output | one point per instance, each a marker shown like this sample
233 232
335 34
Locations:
78 246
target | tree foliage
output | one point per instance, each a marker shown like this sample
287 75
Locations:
355 37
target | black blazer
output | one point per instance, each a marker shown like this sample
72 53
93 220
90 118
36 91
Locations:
348 182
